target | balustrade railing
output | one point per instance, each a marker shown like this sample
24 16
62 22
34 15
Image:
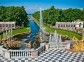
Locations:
23 53
59 46
20 53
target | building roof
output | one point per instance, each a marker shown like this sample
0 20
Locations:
7 22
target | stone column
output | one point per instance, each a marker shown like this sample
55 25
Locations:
68 46
6 54
34 53
46 46
50 38
60 39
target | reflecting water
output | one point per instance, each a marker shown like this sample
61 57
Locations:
34 31
33 26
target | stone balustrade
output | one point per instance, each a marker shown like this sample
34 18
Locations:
8 54
20 53
60 46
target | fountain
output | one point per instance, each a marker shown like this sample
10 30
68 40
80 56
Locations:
50 38
55 40
41 26
41 20
60 38
8 33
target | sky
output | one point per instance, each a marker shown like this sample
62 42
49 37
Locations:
32 6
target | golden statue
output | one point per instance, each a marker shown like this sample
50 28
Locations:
74 38
78 45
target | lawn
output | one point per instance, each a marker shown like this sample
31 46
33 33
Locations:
38 23
19 31
64 32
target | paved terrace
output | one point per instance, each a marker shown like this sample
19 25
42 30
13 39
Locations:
55 55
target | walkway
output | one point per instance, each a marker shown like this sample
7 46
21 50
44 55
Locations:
52 56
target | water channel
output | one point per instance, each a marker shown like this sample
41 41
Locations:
35 29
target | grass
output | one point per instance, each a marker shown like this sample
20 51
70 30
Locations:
0 36
70 34
19 31
37 22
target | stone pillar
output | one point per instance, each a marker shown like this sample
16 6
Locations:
43 47
46 47
14 26
60 39
34 53
6 54
1 50
68 46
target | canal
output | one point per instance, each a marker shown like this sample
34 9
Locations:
34 31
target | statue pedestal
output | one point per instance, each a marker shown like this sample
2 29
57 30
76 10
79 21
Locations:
34 53
46 47
68 46
7 54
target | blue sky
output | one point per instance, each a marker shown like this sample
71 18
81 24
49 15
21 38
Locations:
34 5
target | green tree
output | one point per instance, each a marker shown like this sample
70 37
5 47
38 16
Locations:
52 15
17 14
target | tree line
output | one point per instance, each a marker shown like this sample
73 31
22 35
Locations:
17 14
52 15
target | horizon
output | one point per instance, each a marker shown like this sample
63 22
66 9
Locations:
32 6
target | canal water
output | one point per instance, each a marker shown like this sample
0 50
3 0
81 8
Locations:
33 26
32 35
34 31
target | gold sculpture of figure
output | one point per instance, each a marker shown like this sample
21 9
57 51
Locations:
82 43
83 37
28 45
78 45
14 44
74 38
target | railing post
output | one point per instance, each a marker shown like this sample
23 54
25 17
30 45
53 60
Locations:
1 52
34 53
68 46
47 47
7 54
